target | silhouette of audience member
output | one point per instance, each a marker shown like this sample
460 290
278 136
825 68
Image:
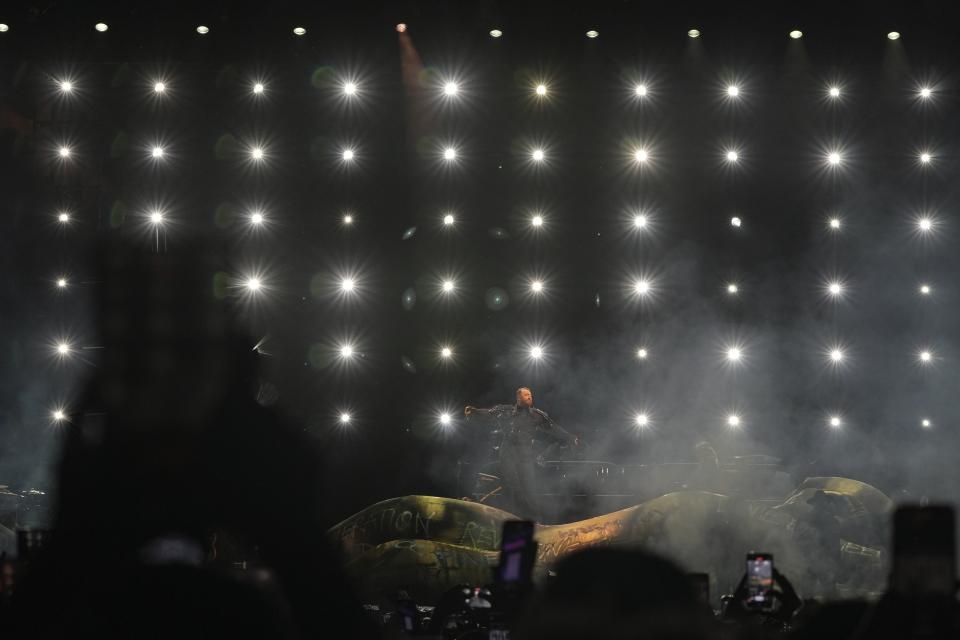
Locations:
612 593
170 446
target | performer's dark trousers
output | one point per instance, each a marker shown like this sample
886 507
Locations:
517 472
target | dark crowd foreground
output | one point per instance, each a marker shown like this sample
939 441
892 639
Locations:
180 513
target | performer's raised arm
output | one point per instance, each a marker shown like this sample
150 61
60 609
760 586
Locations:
470 410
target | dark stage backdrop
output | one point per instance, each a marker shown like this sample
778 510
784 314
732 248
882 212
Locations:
895 411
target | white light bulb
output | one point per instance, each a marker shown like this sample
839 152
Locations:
346 285
925 423
203 30
64 152
593 33
256 218
299 31
101 26
834 92
925 224
641 90
926 356
640 221
348 219
449 153
835 288
348 154
541 89
536 286
732 156
835 421
59 415
159 87
446 352
256 153
350 88
925 289
156 217
893 35
735 221
537 221
834 158
63 348
64 217
641 155
258 87
836 355
796 34
157 152
642 420
733 420
733 91
448 286
346 351
694 33
925 92
448 220
61 283
445 419
733 354
538 155
345 418
495 33
732 288
642 287
66 86
925 158
536 353
450 88
253 284
834 223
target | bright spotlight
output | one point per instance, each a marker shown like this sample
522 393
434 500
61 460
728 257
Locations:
450 88
299 31
925 423
401 27
835 288
834 223
347 285
536 286
893 35
258 88
641 90
733 91
66 86
346 351
345 418
593 33
253 284
449 153
445 419
63 348
834 92
348 154
926 92
256 153
796 34
63 217
157 152
101 26
736 222
925 289
641 155
541 89
925 158
447 286
538 155
734 354
156 217
446 353
642 420
833 158
836 355
640 221
537 221
203 30
4 27
694 33
348 219
536 352
350 88
835 421
732 288
256 218
159 87
495 33
926 356
61 283
642 353
448 220
64 152
925 224
733 420
58 415
732 156
641 287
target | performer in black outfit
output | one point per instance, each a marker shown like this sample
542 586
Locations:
522 424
